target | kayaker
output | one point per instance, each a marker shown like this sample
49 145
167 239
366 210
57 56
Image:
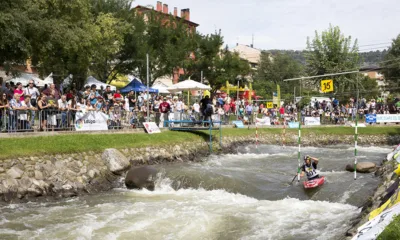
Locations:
310 167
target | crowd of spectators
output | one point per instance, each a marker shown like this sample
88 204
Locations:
21 107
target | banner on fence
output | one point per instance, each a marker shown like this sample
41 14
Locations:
238 124
91 121
312 121
293 124
389 118
370 118
266 121
374 227
151 127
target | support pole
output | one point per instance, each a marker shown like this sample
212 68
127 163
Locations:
210 127
148 95
356 135
284 131
220 134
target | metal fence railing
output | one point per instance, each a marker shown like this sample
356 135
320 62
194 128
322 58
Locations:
120 119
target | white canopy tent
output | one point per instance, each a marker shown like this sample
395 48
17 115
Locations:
162 88
49 80
91 80
24 79
188 85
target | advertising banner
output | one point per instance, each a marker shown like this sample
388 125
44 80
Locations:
312 121
389 118
370 118
266 121
91 121
374 227
238 124
293 124
151 127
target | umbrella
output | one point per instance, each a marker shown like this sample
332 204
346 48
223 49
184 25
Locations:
188 85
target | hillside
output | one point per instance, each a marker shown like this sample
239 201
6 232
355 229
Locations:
366 58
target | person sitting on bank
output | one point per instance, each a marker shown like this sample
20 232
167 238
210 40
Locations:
310 167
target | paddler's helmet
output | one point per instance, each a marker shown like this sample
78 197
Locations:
306 157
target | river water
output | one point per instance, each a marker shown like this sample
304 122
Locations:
234 196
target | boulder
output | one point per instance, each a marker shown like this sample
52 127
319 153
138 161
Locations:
15 173
141 177
38 175
115 161
362 167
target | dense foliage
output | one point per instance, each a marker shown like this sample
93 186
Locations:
107 38
392 66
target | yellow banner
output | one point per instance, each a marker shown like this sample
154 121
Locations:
327 85
270 105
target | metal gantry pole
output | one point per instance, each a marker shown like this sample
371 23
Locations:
148 96
299 152
356 134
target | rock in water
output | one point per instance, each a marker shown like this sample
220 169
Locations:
366 167
141 177
362 167
115 161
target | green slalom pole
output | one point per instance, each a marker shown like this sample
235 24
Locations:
298 154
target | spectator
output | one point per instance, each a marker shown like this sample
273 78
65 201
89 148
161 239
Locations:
164 109
227 110
117 96
63 107
24 116
249 109
52 91
81 106
16 109
100 105
156 109
132 101
19 92
4 105
108 94
196 109
93 95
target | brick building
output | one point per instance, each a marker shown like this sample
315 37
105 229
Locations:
163 10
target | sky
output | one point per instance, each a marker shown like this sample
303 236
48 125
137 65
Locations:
286 24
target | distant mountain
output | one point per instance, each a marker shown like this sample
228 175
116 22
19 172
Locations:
366 58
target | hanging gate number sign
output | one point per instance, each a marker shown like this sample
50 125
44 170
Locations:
327 85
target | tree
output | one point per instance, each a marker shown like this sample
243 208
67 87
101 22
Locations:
273 70
332 52
391 66
218 64
15 22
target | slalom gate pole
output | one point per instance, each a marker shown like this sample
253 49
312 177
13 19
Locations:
284 132
256 135
298 154
355 147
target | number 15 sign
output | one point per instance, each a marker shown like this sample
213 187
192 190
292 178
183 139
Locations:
327 85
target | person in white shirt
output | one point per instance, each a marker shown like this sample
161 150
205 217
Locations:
32 92
63 107
179 105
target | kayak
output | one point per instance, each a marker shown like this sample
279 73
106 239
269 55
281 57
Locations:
314 183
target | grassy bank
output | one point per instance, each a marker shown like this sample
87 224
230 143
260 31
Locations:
392 231
69 143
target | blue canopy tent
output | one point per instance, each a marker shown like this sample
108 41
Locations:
136 86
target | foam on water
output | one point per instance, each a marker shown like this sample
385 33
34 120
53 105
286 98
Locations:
183 214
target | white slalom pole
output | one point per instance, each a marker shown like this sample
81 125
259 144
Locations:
298 155
256 135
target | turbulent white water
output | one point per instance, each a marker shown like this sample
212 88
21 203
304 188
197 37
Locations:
234 196
182 214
